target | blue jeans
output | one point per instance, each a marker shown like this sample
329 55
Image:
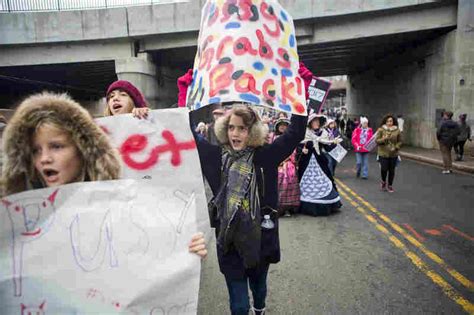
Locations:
331 163
362 160
239 292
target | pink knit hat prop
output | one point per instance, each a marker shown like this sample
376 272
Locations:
306 75
184 82
131 90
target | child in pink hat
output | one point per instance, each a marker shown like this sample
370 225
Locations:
124 98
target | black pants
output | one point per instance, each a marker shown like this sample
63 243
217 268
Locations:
459 148
387 166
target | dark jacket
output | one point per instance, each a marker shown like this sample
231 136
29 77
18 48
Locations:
266 161
448 132
465 132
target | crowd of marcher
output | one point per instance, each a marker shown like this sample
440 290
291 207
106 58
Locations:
258 168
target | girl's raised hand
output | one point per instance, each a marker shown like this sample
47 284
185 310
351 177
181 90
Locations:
198 245
140 112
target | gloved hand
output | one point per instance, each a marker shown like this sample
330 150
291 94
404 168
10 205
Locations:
183 83
307 76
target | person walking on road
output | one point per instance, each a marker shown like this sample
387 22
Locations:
447 135
288 185
360 137
334 134
465 134
389 143
319 195
242 172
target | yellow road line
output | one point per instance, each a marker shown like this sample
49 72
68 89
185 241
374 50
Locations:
453 272
417 261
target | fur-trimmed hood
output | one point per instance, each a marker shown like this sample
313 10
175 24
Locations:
391 128
257 132
101 160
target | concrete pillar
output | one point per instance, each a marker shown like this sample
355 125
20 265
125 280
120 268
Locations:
463 80
141 71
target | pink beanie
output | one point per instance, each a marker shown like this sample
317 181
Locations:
131 90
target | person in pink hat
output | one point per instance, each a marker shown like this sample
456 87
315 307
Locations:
124 98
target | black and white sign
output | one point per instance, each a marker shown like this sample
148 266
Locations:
318 90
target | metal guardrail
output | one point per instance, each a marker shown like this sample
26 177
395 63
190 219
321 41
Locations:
66 5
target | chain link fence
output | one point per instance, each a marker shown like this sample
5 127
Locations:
66 5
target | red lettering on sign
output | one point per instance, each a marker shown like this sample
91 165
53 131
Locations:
269 13
284 58
287 89
224 43
214 15
243 10
264 48
268 89
299 86
220 78
104 129
242 46
138 142
246 83
288 97
206 59
206 54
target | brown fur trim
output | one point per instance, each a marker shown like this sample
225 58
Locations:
101 160
257 132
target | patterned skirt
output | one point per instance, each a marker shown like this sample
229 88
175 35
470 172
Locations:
288 186
318 193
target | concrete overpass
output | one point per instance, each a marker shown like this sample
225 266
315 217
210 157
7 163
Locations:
83 51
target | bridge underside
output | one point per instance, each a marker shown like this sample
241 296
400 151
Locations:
88 80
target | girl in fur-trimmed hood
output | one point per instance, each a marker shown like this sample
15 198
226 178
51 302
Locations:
51 140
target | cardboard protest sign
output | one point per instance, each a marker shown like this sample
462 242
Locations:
161 146
115 246
318 91
247 52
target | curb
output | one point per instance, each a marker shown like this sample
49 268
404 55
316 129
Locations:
416 157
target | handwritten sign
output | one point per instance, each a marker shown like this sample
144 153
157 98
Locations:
372 143
247 52
115 246
338 153
318 91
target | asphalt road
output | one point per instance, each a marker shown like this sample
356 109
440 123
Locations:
409 252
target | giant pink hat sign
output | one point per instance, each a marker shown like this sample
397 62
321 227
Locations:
247 52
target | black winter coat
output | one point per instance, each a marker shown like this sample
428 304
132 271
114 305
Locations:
448 132
266 161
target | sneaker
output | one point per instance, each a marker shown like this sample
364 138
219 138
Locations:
445 172
383 186
287 214
390 189
256 311
364 177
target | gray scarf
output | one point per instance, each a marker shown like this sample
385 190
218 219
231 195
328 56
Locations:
238 206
